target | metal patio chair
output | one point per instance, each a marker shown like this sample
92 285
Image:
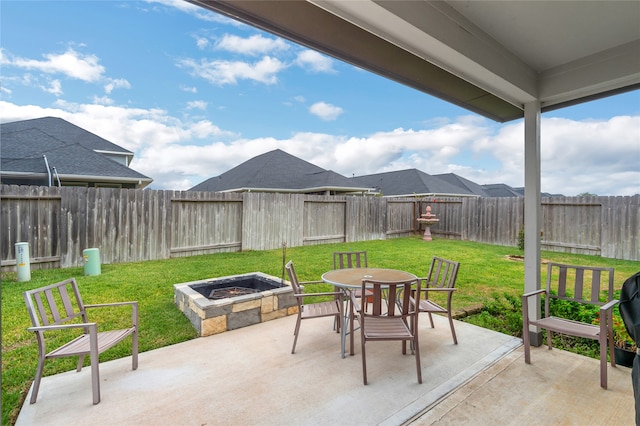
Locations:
440 279
59 307
581 285
352 259
395 320
332 308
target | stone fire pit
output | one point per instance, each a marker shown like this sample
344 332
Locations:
219 304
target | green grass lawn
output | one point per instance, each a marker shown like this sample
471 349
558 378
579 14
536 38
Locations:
485 275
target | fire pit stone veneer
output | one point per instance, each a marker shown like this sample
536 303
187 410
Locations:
269 298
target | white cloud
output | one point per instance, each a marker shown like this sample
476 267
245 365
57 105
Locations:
70 63
55 88
325 111
220 72
116 83
202 42
254 45
315 61
102 100
197 105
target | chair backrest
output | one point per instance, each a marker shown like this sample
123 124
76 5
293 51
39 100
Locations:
392 299
350 259
55 304
583 284
442 273
293 279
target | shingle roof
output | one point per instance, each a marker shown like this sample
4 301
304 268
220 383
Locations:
454 179
25 142
410 182
276 170
65 131
500 190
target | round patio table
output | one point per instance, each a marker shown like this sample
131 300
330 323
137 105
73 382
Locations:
350 279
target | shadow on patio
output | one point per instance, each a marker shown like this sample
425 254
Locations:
248 377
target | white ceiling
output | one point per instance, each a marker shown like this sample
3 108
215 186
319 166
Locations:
491 57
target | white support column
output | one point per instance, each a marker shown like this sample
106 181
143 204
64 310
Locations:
532 211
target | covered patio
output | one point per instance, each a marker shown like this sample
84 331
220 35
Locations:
249 377
503 60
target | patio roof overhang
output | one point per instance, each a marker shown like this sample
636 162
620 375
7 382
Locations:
490 57
502 59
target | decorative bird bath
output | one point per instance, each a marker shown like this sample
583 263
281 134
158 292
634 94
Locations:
428 219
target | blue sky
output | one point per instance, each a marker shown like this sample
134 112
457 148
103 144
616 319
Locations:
194 94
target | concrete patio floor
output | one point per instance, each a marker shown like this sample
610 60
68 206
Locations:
249 377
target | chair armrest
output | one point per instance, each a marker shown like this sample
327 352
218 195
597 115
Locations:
354 301
332 293
450 290
89 325
311 282
609 305
102 305
533 293
133 304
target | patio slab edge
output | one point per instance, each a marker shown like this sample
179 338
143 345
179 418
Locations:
423 404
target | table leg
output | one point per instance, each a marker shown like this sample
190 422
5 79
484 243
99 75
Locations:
345 323
351 313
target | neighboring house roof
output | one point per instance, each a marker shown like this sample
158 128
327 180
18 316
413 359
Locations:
74 157
411 182
68 132
500 190
278 171
520 191
454 179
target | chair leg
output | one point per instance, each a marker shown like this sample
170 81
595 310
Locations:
453 330
526 343
80 362
36 382
134 350
95 367
364 363
295 333
431 319
603 364
417 355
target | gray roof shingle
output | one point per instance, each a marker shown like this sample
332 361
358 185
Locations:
25 142
276 170
454 179
65 131
410 182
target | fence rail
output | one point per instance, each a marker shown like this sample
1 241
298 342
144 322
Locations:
129 225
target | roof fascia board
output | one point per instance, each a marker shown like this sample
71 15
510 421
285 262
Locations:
121 153
92 178
300 190
307 24
432 194
583 78
441 35
21 174
81 178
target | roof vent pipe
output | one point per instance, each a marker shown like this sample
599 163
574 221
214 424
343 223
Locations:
46 163
55 172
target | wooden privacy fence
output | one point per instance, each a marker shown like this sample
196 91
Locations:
129 225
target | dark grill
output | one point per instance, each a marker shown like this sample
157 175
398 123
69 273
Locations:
223 293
